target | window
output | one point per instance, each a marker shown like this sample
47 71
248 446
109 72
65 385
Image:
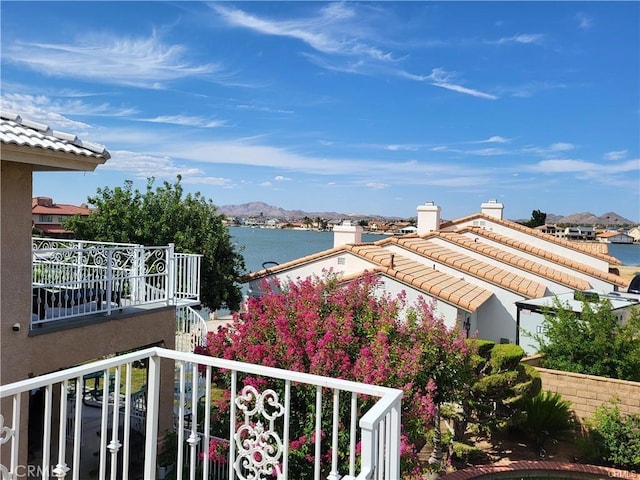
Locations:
341 261
46 218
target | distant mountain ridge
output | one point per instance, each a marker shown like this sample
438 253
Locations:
257 209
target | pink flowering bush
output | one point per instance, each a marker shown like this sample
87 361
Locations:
346 330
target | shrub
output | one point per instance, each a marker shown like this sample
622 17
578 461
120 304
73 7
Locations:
613 438
593 342
465 453
322 326
547 417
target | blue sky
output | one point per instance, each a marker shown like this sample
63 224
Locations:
353 107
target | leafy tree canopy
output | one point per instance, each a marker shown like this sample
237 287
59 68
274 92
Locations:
165 215
593 342
537 219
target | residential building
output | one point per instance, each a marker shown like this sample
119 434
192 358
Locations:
68 319
475 269
614 237
578 233
47 216
635 233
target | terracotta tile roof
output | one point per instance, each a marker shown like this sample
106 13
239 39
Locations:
513 260
432 282
534 233
543 253
466 264
60 209
18 131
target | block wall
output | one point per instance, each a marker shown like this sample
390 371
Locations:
587 392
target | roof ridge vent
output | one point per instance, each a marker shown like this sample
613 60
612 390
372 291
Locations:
41 127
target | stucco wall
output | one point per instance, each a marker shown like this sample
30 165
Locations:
15 261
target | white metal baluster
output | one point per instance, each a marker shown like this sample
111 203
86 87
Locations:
15 431
393 450
46 436
115 445
181 414
334 475
232 422
61 469
207 424
352 435
285 441
193 436
170 278
127 423
109 286
153 402
381 439
318 436
104 424
77 427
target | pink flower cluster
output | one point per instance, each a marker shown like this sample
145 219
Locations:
348 330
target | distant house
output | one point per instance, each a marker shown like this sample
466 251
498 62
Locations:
635 233
614 237
47 216
578 233
551 229
474 269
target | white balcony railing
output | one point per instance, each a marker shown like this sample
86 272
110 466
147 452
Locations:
74 278
362 442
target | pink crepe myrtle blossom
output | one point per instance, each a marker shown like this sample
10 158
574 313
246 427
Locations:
348 330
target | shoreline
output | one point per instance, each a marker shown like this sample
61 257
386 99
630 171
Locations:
627 272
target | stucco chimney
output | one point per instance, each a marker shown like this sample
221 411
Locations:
346 233
428 218
492 208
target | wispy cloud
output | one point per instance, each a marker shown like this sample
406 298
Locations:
523 38
617 155
143 166
280 178
585 22
528 90
495 139
134 61
258 108
552 149
186 120
377 185
440 78
328 32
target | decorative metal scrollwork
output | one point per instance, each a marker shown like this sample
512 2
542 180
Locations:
259 447
5 432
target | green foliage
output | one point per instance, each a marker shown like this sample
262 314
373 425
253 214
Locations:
162 216
547 417
501 388
538 218
505 357
593 343
613 438
465 453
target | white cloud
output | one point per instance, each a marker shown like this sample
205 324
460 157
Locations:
135 61
280 178
186 120
525 38
265 184
495 139
561 147
440 78
377 185
616 155
585 22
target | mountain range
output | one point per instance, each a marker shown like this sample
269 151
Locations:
257 209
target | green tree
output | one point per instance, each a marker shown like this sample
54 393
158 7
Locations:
165 215
593 342
537 219
501 388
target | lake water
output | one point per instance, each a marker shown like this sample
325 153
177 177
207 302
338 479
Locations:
275 245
